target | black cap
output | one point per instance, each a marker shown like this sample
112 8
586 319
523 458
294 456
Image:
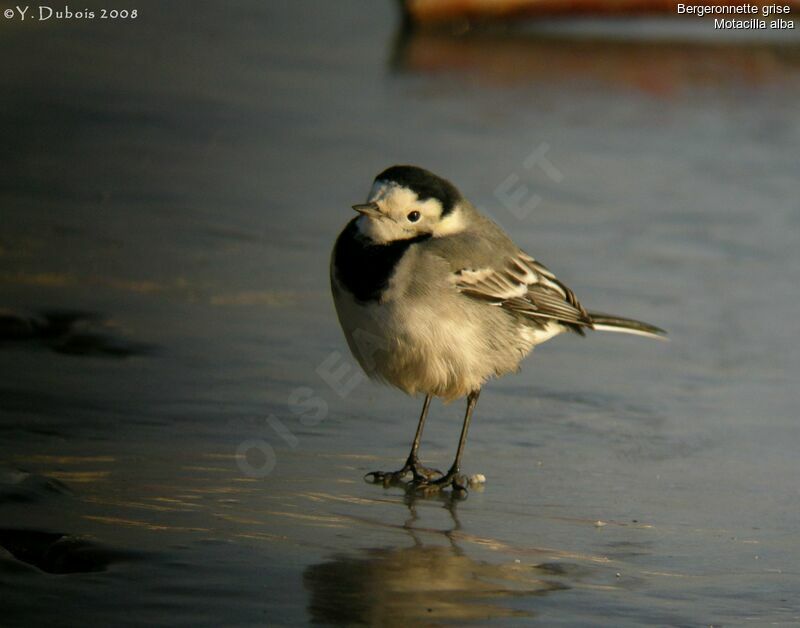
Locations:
424 183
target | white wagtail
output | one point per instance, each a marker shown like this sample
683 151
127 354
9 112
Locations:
434 297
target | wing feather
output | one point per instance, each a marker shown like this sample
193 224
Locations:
525 287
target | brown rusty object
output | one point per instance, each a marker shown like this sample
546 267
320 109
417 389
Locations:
428 12
661 68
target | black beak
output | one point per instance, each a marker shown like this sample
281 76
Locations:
368 209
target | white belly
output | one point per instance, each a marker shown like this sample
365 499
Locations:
412 346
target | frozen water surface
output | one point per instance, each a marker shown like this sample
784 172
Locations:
171 189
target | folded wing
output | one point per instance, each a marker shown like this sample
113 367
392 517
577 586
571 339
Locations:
526 288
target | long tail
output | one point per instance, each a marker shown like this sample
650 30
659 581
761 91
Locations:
607 322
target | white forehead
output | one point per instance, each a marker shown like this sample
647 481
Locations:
396 198
386 190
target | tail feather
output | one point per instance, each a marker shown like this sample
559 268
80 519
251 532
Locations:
607 322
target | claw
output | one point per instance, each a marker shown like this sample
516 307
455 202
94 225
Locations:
387 478
422 473
424 480
419 472
455 480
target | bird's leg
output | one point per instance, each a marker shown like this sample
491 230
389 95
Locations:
453 476
419 472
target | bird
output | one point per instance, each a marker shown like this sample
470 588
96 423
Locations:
435 298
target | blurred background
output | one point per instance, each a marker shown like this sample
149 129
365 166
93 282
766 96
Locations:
182 430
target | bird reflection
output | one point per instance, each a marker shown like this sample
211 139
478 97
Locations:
421 583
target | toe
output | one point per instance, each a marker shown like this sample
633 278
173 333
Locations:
426 489
374 477
387 478
460 483
424 473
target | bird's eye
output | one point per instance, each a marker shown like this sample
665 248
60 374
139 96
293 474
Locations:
413 216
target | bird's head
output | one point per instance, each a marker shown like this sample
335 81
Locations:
406 202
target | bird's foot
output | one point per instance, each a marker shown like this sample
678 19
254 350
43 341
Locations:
419 473
454 479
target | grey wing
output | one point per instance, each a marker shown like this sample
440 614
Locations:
525 287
